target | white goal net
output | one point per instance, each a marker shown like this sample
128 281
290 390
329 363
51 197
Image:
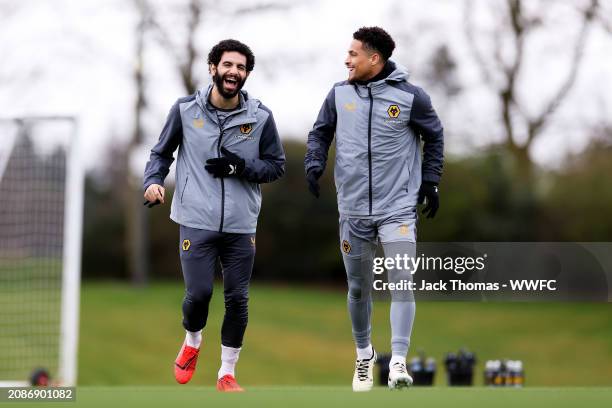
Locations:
41 205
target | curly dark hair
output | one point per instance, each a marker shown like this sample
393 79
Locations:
376 39
214 56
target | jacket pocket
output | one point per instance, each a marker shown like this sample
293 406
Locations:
184 188
408 166
253 194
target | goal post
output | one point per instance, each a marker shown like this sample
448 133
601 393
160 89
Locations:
41 217
71 281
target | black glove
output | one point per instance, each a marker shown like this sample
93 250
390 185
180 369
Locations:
429 190
312 177
230 165
151 204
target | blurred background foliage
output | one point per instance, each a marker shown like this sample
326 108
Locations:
482 199
504 81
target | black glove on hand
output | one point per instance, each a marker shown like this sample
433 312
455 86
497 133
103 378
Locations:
312 177
230 165
151 204
429 190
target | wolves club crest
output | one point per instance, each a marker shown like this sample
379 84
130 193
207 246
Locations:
393 111
346 247
246 128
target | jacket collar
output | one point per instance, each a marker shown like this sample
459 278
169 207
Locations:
246 113
387 69
398 74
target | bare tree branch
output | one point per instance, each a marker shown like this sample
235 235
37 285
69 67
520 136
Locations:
186 68
519 25
508 93
135 219
186 59
163 38
497 49
607 25
184 63
472 43
536 125
263 7
186 54
138 72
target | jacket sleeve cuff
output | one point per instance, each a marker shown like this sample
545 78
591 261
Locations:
313 164
249 165
153 181
431 178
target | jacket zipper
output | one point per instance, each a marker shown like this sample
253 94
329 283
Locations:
370 148
222 182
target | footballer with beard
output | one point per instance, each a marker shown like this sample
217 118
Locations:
227 145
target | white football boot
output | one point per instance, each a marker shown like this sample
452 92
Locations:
363 379
398 376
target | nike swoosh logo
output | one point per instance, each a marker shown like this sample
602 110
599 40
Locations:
232 169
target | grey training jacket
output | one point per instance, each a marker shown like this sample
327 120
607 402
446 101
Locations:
378 167
201 201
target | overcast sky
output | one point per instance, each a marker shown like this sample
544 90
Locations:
76 58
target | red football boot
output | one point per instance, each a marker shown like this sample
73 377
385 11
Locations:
185 363
228 383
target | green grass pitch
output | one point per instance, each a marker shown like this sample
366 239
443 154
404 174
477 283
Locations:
298 350
309 397
302 336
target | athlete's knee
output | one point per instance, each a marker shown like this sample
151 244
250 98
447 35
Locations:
236 299
402 295
357 293
236 308
199 295
354 294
